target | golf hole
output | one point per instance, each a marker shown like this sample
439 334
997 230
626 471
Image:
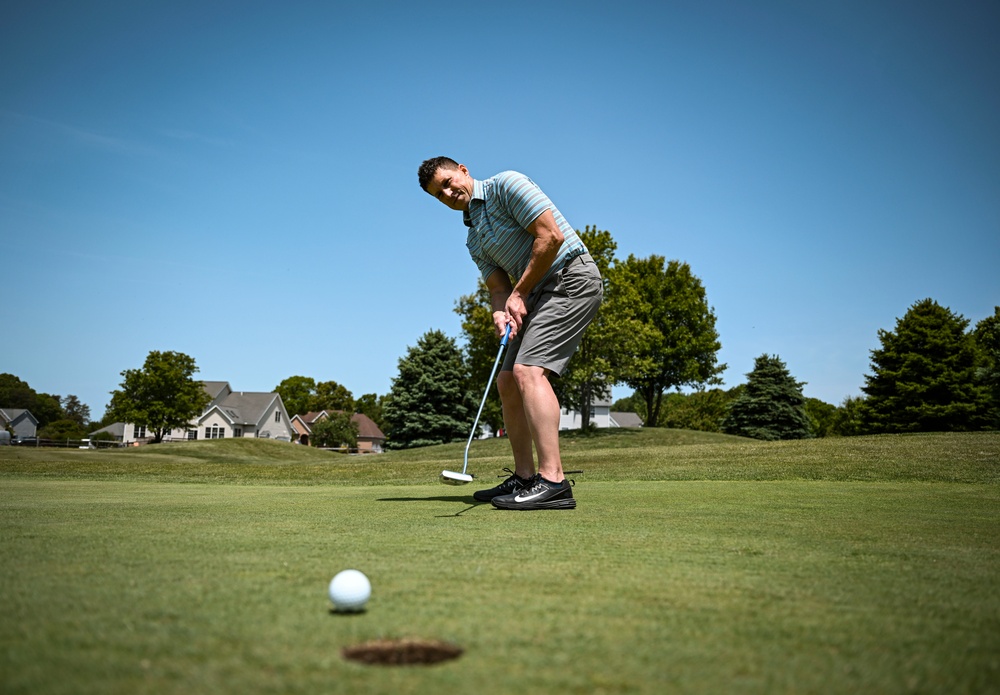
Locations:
402 652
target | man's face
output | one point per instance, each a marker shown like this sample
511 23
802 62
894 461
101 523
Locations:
453 187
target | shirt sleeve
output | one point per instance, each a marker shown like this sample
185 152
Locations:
521 197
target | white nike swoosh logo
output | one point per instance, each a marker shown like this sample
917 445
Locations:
519 498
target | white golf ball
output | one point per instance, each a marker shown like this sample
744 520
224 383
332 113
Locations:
350 590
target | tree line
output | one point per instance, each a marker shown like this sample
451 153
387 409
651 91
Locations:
933 372
655 332
59 417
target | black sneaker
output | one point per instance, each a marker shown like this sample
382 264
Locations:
539 494
507 487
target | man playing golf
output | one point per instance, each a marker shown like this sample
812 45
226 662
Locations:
544 284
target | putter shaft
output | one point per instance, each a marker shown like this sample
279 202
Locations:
475 423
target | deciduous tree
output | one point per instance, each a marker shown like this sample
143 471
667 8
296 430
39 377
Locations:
678 344
822 416
63 430
335 430
297 393
702 410
597 364
332 396
371 404
481 346
162 396
15 393
847 421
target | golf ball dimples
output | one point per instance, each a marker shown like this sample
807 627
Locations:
350 590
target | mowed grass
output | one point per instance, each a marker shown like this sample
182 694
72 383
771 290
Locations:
694 564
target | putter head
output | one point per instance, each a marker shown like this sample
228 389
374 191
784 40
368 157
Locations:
453 478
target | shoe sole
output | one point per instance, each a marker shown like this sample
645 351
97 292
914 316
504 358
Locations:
569 503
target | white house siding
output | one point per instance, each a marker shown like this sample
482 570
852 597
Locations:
21 421
214 421
600 416
275 425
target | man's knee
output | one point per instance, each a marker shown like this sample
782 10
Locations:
506 385
528 376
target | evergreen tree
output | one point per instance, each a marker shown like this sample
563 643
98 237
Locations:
429 402
76 411
987 339
924 376
771 405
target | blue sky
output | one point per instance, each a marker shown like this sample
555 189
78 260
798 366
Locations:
237 180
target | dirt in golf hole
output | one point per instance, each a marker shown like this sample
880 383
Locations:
402 652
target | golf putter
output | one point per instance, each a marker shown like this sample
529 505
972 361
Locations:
451 477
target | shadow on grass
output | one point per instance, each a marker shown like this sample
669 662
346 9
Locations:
467 499
464 499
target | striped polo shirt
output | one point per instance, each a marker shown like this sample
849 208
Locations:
499 213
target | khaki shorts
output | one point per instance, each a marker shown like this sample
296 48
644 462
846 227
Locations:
558 313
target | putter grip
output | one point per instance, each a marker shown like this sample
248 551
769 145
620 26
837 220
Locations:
506 337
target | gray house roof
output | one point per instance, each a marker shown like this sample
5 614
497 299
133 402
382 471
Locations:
626 419
367 429
115 429
244 408
216 390
14 414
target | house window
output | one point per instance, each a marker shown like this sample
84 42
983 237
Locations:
139 432
192 435
277 416
215 432
237 431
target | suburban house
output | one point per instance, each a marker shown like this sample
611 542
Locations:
229 414
20 421
600 416
371 440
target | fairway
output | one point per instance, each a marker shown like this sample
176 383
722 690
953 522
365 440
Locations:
695 586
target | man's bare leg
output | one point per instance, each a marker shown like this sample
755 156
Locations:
514 420
540 409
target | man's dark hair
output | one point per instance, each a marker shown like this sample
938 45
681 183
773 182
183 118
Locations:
427 170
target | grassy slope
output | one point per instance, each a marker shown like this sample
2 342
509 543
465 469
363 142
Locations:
646 454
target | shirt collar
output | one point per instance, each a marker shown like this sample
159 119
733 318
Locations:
478 193
478 190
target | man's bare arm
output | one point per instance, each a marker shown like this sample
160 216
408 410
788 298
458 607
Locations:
545 248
